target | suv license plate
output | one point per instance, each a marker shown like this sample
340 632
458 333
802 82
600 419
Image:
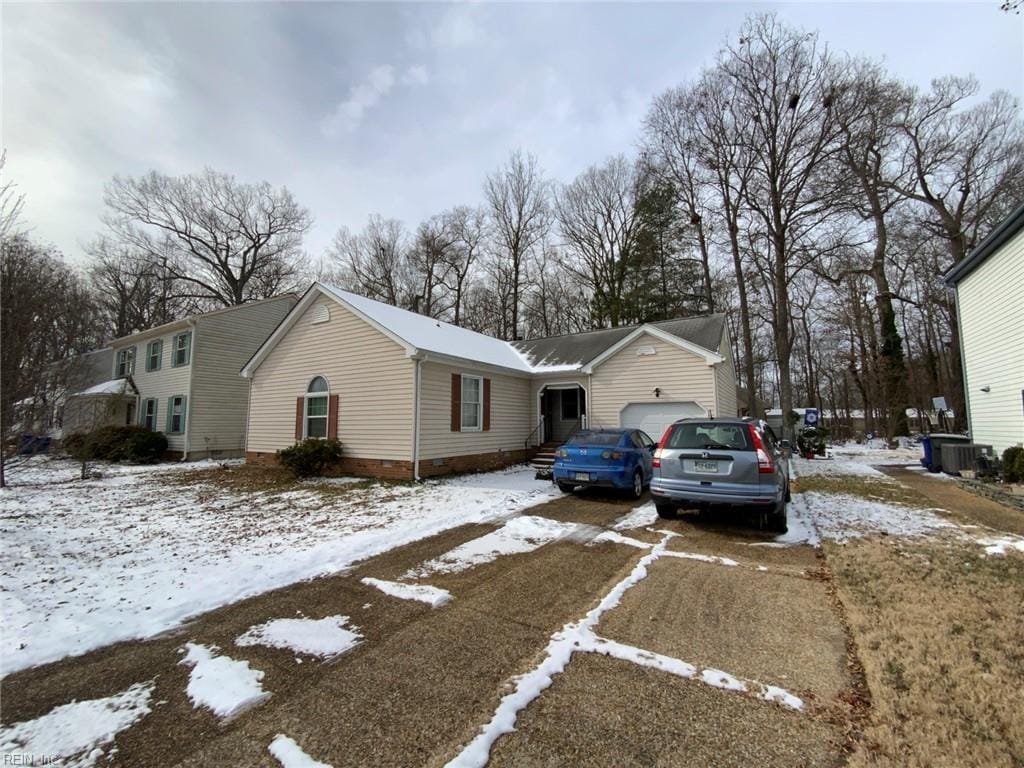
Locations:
583 476
705 466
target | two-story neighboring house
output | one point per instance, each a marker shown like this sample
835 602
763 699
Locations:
182 379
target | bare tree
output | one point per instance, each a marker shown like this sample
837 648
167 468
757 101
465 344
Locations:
374 262
230 242
12 203
46 314
598 218
430 260
470 230
517 195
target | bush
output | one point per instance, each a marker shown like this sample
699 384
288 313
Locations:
143 446
1013 465
112 443
310 457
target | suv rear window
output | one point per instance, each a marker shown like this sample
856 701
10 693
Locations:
595 438
732 437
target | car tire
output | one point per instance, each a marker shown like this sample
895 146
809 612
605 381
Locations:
565 487
666 511
777 518
637 489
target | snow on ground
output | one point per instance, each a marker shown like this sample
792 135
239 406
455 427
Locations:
1000 545
315 637
74 734
222 684
98 561
618 538
432 596
290 755
639 517
518 535
841 516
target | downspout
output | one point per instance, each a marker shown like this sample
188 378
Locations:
191 368
963 365
416 420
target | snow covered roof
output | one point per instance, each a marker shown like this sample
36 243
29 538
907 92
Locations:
112 387
430 335
422 334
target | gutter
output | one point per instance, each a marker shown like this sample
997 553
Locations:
191 371
416 419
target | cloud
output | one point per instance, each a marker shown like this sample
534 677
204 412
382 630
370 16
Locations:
416 75
458 29
349 114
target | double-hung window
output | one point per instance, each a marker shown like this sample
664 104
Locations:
125 362
154 351
176 415
472 403
317 394
149 413
181 349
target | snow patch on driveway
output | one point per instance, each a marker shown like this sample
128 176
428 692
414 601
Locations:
518 535
841 516
432 596
315 637
290 755
94 562
220 683
639 517
74 734
1002 544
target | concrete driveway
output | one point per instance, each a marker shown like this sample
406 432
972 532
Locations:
705 644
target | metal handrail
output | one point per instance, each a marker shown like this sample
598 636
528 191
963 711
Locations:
529 437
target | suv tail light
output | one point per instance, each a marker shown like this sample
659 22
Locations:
656 461
765 465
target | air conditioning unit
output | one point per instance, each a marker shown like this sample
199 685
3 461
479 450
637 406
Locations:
956 457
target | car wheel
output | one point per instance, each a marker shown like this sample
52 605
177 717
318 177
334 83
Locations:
666 511
638 485
789 496
777 518
565 487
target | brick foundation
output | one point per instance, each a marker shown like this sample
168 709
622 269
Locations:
403 470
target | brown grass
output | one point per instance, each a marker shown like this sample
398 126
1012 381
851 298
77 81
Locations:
874 488
938 630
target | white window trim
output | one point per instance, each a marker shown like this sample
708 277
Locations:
305 408
171 429
129 362
146 414
479 406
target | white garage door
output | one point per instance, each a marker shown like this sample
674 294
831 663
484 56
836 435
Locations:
653 418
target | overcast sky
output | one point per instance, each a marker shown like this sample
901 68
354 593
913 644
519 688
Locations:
398 109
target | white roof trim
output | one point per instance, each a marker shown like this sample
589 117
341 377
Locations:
711 358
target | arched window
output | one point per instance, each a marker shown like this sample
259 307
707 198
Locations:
316 407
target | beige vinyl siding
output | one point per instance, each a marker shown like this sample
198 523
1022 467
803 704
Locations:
510 414
369 372
222 344
162 384
628 377
991 301
725 379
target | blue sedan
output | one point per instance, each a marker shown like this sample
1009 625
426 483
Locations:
608 458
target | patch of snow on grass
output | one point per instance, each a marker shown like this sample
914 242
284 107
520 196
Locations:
314 637
841 516
432 596
94 562
74 734
290 755
703 558
833 467
639 517
518 535
618 538
220 683
1001 545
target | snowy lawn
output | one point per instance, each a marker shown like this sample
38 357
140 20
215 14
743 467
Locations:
141 549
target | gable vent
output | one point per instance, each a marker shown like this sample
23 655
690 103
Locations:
321 314
643 351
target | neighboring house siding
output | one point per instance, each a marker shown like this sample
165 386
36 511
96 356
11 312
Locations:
628 377
161 384
369 372
510 414
991 301
222 344
725 380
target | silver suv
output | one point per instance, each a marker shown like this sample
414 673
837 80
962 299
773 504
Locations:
701 463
